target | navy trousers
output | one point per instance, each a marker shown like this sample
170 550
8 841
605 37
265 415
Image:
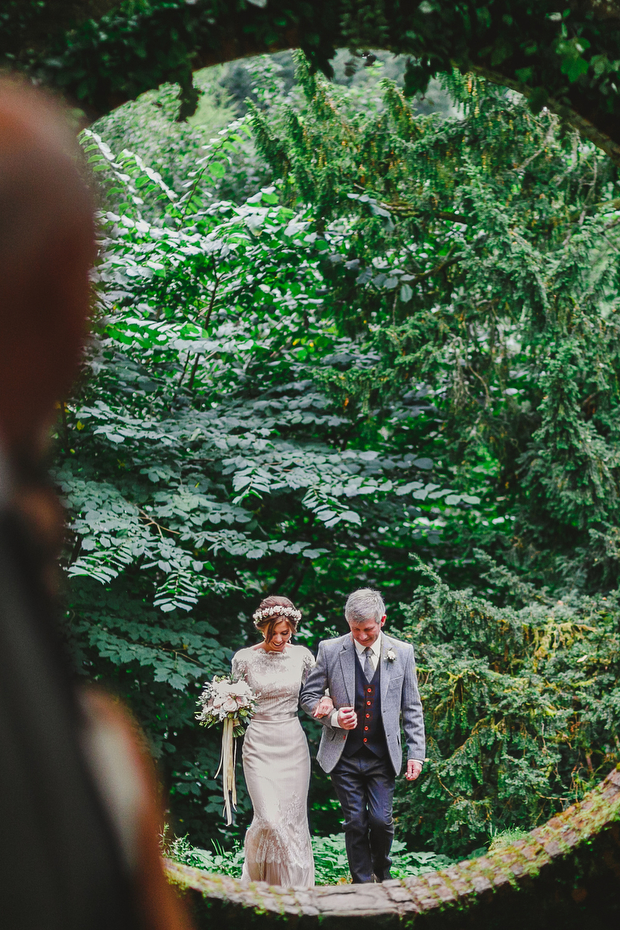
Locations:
364 784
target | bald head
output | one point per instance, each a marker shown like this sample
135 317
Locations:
46 249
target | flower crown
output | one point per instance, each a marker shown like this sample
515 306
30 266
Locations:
292 612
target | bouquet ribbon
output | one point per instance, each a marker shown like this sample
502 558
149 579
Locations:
228 759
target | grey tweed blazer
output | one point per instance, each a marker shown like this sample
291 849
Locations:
400 699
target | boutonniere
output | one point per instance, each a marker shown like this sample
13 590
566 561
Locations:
390 655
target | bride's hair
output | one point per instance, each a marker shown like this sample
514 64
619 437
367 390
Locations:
272 610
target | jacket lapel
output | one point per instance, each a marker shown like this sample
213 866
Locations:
386 668
347 664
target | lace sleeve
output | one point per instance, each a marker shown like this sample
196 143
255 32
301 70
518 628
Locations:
239 666
308 664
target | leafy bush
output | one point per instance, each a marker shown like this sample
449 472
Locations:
332 868
220 861
148 129
505 838
330 859
475 263
522 705
406 344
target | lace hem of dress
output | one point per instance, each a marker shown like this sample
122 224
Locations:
282 843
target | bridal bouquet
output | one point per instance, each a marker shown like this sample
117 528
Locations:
231 703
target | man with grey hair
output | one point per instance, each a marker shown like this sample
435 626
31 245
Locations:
372 681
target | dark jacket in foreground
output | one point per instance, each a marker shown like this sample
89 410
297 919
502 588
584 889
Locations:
61 866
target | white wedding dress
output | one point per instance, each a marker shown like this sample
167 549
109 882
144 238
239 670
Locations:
276 765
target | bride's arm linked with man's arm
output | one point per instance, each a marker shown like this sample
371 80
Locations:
314 688
314 693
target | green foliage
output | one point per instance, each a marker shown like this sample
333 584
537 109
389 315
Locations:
149 129
102 53
330 859
332 868
506 838
475 258
220 862
521 706
405 344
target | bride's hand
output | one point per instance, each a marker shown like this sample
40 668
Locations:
324 707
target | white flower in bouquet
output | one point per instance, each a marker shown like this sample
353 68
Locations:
223 699
231 703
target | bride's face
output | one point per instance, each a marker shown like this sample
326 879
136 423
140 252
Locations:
280 638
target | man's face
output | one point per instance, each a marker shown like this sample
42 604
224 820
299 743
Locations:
366 633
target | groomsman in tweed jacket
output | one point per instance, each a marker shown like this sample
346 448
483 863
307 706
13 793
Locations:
372 681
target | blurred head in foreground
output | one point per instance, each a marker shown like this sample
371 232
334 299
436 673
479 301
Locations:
78 800
46 250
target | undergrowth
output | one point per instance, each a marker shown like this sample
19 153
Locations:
330 859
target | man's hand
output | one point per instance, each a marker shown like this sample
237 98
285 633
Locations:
413 770
324 707
347 718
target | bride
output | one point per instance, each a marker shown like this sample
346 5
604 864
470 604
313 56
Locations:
276 761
